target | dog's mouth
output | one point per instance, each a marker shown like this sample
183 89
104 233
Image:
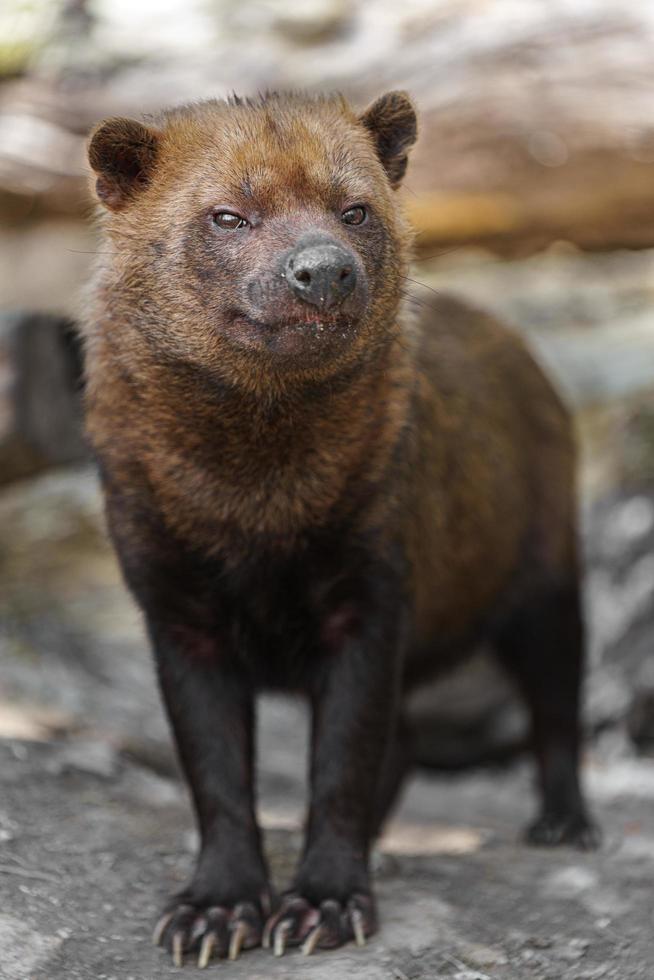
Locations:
313 321
311 335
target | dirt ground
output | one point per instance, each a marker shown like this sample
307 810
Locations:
92 841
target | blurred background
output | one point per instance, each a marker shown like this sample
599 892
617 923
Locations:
532 193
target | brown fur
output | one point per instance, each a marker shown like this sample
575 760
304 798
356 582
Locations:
268 459
493 472
251 446
261 454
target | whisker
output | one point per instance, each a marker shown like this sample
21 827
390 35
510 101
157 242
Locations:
423 284
437 255
418 301
411 191
90 251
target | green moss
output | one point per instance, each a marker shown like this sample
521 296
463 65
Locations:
14 57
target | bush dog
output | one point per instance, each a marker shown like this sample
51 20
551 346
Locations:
315 486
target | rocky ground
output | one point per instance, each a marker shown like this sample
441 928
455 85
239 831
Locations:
91 842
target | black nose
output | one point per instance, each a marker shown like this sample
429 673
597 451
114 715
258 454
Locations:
321 274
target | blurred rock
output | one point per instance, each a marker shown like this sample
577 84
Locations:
44 264
30 723
94 758
40 379
640 719
311 22
619 537
71 640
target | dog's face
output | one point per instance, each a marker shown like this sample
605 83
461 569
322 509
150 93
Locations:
263 235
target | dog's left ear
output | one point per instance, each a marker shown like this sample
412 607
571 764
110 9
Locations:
392 123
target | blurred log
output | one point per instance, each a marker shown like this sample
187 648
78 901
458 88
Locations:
593 207
536 121
542 131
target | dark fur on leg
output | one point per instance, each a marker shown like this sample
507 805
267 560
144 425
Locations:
355 700
211 712
541 645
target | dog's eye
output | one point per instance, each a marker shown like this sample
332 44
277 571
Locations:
229 221
354 216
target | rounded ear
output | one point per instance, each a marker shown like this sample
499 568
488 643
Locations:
122 152
392 123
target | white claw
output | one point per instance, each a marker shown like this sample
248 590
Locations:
206 950
312 940
356 918
178 949
236 942
281 933
160 928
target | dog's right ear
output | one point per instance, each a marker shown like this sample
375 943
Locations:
123 154
391 121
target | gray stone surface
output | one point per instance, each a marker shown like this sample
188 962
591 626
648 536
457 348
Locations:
88 854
